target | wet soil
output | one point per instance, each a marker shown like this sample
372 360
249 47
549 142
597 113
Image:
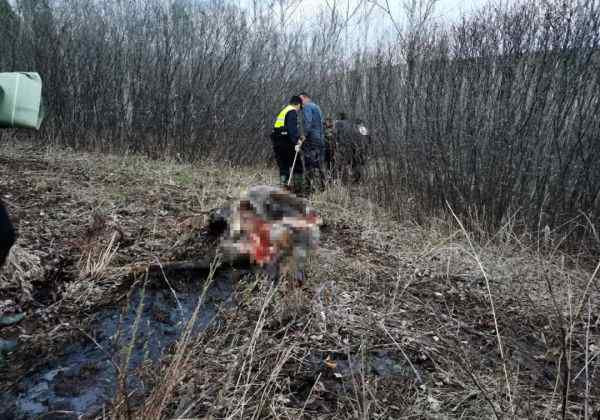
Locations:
69 346
84 377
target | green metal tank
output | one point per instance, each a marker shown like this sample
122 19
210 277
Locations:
21 100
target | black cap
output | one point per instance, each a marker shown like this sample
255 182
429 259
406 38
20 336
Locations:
295 100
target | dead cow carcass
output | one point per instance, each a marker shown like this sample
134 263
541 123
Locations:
275 229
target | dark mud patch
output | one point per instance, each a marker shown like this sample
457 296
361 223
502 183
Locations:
83 378
19 164
333 375
377 363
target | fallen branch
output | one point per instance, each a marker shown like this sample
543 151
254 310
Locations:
172 267
190 266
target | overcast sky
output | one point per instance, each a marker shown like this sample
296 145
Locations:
446 9
451 9
379 24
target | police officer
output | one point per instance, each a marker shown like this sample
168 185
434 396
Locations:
286 139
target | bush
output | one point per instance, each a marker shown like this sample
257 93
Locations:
496 115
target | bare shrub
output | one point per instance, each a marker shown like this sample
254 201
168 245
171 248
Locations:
496 114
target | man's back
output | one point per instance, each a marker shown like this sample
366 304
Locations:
313 124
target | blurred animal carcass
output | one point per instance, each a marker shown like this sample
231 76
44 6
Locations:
273 228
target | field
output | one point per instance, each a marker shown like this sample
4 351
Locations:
396 320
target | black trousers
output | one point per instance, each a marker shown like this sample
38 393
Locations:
284 152
7 234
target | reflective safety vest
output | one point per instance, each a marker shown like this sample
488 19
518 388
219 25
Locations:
280 120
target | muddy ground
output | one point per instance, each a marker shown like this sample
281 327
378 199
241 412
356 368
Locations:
395 320
84 226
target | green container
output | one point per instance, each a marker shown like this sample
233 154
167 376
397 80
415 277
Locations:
21 100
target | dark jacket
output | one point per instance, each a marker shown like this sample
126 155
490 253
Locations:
7 234
291 126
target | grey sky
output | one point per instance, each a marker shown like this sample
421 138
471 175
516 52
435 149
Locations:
378 25
445 9
451 9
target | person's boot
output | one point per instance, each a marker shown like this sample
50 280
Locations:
283 183
299 185
299 279
311 182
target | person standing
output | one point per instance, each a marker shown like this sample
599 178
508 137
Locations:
286 140
7 234
314 146
353 143
329 146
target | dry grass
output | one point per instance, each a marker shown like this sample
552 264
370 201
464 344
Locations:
424 296
469 330
21 268
94 265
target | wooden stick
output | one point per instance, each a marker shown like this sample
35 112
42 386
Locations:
200 265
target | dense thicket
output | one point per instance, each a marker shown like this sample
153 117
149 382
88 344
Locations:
154 76
498 114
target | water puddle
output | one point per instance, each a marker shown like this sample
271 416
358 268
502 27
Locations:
84 378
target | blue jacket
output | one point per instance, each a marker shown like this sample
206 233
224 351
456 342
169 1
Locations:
313 124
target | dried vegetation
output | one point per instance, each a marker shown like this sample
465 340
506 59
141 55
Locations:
396 320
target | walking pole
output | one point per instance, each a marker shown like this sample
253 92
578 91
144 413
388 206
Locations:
292 170
301 126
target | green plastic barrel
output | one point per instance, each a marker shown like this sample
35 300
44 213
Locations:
21 100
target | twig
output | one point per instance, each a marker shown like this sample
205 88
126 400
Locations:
461 402
587 362
159 399
170 267
170 287
585 296
309 395
201 265
564 373
417 375
487 284
462 364
406 286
